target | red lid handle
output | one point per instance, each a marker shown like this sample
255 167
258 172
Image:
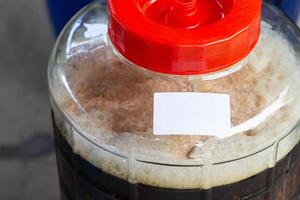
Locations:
184 13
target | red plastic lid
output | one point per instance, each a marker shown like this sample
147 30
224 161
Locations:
184 37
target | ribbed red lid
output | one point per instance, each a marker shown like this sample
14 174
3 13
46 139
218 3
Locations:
184 37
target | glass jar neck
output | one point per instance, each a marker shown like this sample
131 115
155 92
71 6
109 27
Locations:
211 76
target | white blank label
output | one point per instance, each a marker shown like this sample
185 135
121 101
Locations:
182 113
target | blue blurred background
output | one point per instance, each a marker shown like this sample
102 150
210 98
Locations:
290 7
62 10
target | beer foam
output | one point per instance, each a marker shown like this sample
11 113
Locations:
108 107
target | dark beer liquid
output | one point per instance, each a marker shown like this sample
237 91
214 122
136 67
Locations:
80 180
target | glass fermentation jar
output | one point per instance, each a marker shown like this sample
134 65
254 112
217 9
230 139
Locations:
177 99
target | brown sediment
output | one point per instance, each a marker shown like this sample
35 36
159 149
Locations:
245 101
125 96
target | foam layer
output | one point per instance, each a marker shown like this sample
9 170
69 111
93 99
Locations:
108 107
